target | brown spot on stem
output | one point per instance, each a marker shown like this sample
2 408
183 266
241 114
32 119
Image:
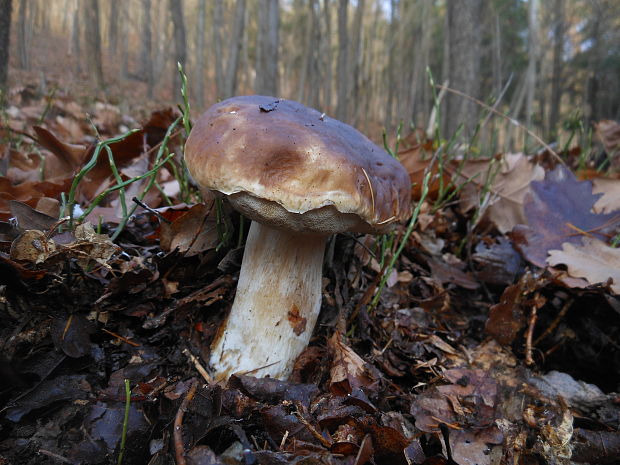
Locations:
298 323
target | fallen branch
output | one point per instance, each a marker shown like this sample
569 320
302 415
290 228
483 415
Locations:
179 448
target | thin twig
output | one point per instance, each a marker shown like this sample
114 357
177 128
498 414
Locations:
325 442
529 335
199 368
179 448
55 456
555 322
121 338
151 210
503 115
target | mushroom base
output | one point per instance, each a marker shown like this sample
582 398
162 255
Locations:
276 307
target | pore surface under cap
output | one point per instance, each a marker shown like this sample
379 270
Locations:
281 152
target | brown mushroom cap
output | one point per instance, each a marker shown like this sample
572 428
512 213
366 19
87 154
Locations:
286 165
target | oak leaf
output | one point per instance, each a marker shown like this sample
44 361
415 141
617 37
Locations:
558 210
594 260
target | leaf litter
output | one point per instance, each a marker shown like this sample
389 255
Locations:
482 348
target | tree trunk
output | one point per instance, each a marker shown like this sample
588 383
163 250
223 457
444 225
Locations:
93 41
530 80
327 54
146 57
180 44
236 41
75 38
5 39
266 81
342 72
355 62
218 19
22 36
124 37
390 72
591 110
199 76
497 55
313 59
464 73
556 77
113 27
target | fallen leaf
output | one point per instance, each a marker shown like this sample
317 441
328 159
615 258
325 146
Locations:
507 317
347 370
71 334
272 390
32 246
191 233
608 132
610 190
415 155
506 187
594 260
559 210
62 388
29 218
498 262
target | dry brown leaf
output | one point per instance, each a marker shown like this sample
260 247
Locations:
594 261
608 132
610 201
415 155
507 190
91 246
192 233
347 371
32 246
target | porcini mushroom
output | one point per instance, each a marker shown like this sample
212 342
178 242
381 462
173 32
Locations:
300 176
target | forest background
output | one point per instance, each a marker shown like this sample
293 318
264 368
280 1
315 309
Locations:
553 66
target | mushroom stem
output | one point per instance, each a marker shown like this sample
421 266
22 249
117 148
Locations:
276 307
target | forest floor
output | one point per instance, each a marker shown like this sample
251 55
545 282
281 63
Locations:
493 341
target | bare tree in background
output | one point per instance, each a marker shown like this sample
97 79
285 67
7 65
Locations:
218 19
326 53
390 71
93 41
180 43
342 72
533 55
308 88
146 57
5 38
76 48
236 41
199 76
124 39
464 64
355 62
556 74
266 82
22 36
113 27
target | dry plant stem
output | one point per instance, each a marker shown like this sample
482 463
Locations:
555 322
529 335
276 307
179 448
199 368
51 454
512 120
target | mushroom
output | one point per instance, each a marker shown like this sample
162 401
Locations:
300 176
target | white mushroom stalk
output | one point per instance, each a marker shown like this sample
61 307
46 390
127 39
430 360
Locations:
277 304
